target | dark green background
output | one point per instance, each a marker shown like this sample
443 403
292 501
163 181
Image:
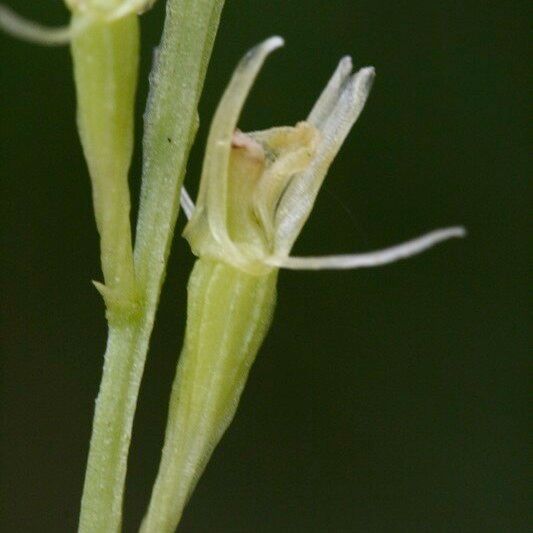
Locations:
384 400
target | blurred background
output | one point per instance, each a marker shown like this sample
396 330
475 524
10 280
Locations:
382 400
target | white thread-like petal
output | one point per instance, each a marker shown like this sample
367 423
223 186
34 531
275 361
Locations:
28 30
370 259
298 200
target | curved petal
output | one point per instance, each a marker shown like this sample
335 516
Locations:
28 30
213 195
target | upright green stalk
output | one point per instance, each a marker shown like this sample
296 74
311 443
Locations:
176 85
171 121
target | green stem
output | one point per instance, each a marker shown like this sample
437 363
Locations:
176 84
171 122
101 508
228 315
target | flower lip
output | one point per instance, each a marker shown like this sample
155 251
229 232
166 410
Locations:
370 259
250 216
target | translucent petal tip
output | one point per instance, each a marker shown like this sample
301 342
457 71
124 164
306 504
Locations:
257 55
273 43
368 71
346 64
364 78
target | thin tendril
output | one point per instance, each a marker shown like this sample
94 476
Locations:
28 30
370 259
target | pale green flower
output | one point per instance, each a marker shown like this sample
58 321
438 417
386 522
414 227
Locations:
258 189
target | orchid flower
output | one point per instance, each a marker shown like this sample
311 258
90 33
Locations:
258 189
